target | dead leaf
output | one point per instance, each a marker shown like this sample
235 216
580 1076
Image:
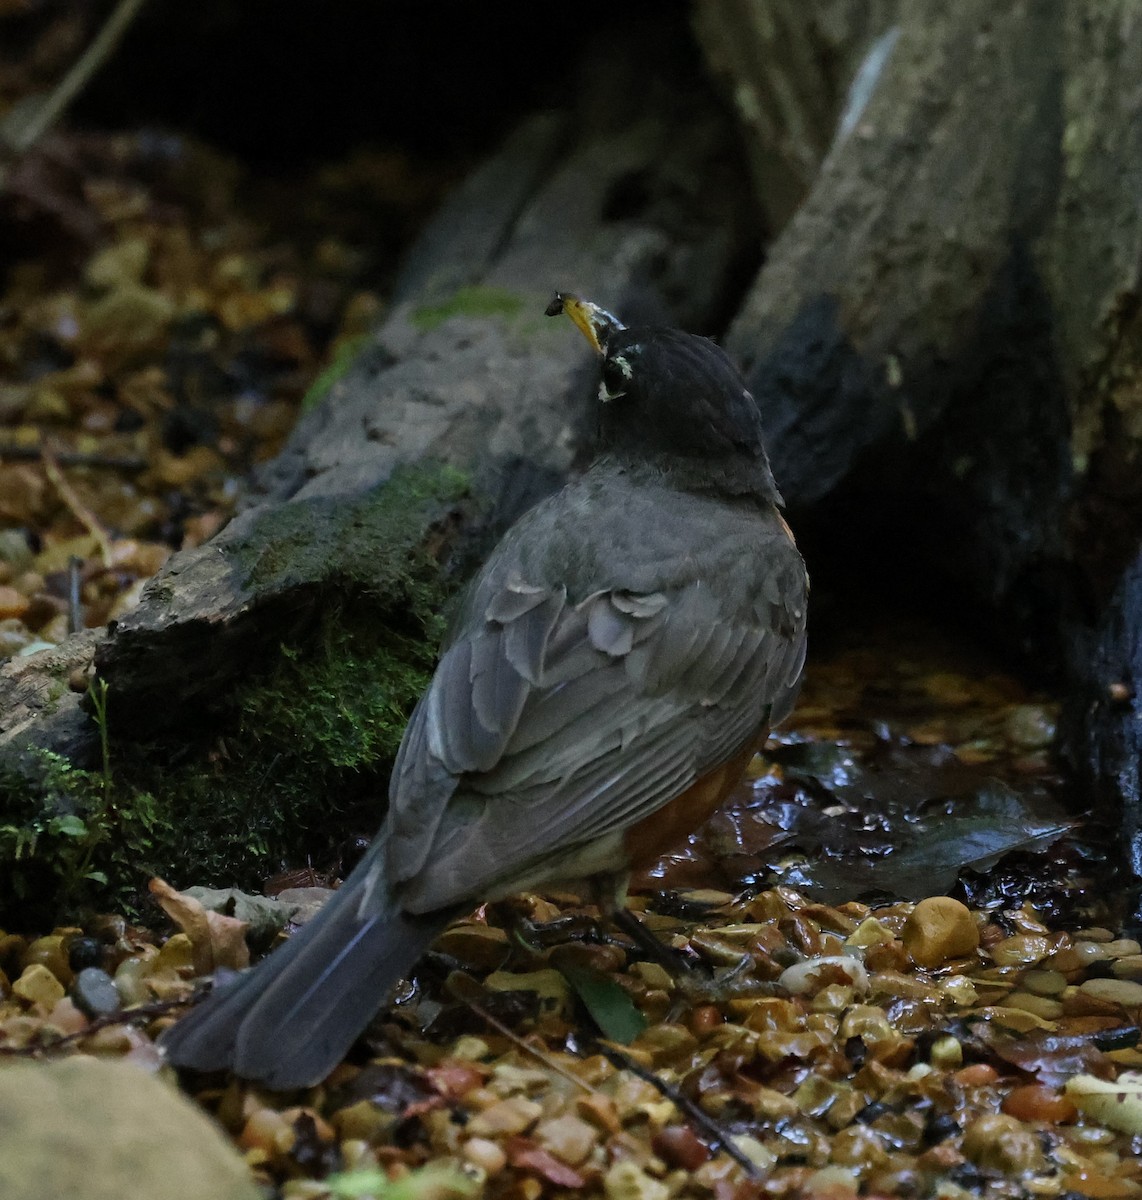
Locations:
217 941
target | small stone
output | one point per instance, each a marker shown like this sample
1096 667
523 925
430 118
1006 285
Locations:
1034 1102
471 1048
50 952
485 1154
37 985
1044 983
704 1019
1046 1007
130 981
67 1018
1076 958
937 929
1022 950
678 1146
84 952
268 1131
13 604
1116 991
477 945
858 1146
654 975
960 990
946 1053
549 985
831 1182
1129 967
513 1115
568 1138
870 932
806 978
95 993
976 1075
626 1180
999 1142
1122 948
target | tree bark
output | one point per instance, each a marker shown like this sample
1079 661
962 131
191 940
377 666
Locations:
946 335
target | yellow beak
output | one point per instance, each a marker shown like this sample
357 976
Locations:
595 322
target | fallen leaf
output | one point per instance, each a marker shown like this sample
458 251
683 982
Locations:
217 941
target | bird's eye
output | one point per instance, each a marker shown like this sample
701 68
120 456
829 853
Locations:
617 373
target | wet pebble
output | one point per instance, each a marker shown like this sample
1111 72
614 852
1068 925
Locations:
678 1146
1073 959
626 1180
485 1154
999 1142
1129 967
808 977
95 993
1046 1007
1022 950
1033 1102
51 953
937 929
1116 991
37 985
84 952
1044 983
513 1115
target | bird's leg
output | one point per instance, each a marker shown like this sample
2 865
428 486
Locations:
610 893
695 983
674 962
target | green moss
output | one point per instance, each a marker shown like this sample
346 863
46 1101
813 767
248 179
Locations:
334 372
298 757
469 302
375 541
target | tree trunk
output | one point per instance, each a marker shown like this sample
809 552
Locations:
946 337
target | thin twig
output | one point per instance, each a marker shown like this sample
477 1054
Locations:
80 510
77 78
128 1016
75 458
718 1138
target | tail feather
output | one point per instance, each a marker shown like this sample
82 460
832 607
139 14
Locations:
293 1018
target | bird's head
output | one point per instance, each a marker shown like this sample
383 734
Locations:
676 398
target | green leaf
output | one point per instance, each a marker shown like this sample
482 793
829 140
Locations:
68 825
609 1005
433 1182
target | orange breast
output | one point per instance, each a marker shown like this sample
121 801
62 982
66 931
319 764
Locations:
666 827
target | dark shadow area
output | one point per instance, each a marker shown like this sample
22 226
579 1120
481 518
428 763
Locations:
286 84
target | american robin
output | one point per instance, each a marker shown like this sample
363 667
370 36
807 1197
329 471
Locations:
616 663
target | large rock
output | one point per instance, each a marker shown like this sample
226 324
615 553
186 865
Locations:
107 1131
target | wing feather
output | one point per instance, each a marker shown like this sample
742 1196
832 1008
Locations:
559 724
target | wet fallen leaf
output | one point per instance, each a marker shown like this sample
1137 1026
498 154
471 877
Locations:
610 1006
217 940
